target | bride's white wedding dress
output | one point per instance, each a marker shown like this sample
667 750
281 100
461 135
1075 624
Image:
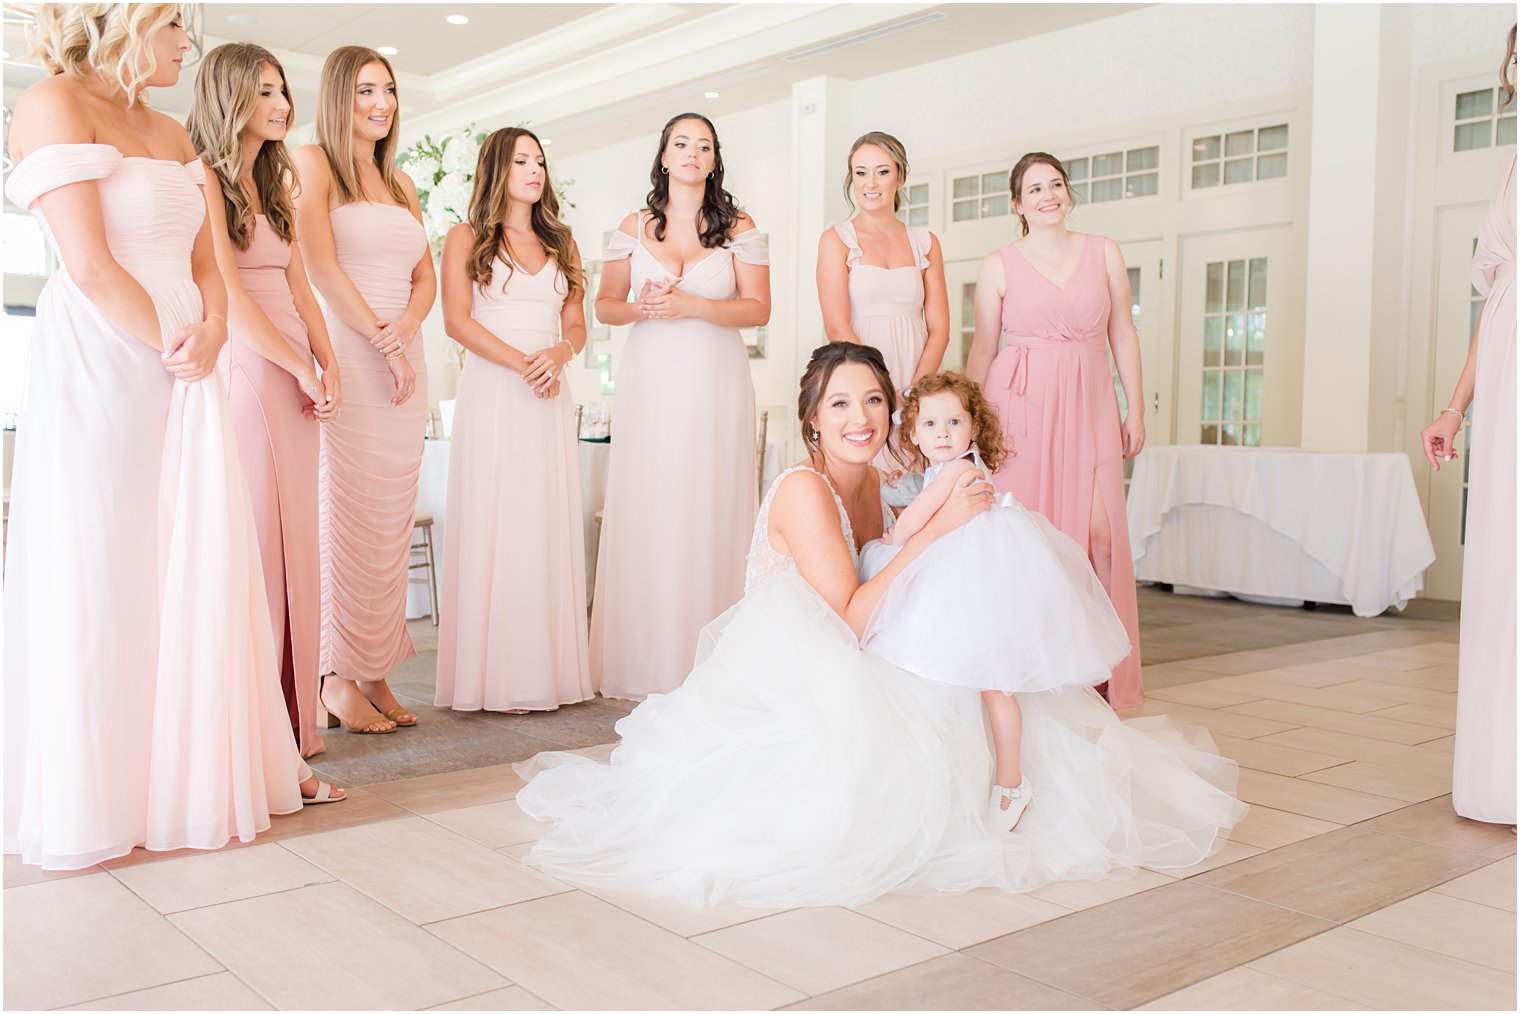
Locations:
791 768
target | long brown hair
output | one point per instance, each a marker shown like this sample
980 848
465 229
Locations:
719 209
1022 166
984 418
335 124
226 91
1505 77
815 381
894 150
488 214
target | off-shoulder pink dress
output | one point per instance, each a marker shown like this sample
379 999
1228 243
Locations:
1053 392
682 488
1483 765
142 704
513 583
371 454
278 447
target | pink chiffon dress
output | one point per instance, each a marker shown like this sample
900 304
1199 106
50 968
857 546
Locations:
371 454
1483 765
681 488
1051 386
513 584
278 447
142 702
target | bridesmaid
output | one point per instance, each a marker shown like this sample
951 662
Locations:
902 311
513 633
238 119
141 703
1483 765
1063 300
361 226
681 489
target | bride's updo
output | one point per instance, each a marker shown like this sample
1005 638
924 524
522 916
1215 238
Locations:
815 381
110 41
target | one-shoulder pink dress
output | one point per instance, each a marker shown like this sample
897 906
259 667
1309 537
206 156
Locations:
1483 765
682 489
371 454
513 584
278 446
142 703
1053 392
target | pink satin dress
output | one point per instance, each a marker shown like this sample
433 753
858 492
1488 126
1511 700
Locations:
513 583
278 447
371 454
1483 762
142 702
682 490
1054 394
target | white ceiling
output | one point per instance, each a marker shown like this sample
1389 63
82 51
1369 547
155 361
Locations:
592 74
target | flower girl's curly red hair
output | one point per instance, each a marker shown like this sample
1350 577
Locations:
984 418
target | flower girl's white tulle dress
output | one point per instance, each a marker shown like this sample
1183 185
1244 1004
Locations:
1005 602
791 768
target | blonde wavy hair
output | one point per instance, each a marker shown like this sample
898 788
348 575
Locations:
988 435
112 42
488 214
226 91
335 123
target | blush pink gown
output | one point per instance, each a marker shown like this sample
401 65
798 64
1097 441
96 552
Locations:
513 584
681 489
1483 765
1052 389
278 447
371 454
142 704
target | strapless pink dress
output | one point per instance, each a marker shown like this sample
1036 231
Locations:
1053 392
513 583
141 698
371 454
278 448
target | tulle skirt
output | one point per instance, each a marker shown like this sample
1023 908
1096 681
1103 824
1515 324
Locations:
1005 602
791 768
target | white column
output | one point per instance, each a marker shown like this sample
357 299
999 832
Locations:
822 117
1357 181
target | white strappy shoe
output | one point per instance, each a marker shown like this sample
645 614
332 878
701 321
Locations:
1018 798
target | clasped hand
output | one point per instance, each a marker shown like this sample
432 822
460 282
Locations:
972 495
663 301
322 393
391 336
190 354
541 370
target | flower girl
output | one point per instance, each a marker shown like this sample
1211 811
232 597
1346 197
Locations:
1006 604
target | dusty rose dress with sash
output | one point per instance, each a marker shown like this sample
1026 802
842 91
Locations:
1053 391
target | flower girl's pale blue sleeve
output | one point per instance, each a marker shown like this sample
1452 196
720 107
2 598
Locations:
907 489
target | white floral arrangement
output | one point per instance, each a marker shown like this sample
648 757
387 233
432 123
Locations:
444 172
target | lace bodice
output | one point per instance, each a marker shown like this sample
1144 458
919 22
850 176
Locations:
764 562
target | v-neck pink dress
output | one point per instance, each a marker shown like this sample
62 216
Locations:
1054 394
681 489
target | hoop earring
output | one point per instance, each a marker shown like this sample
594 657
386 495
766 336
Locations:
664 171
709 175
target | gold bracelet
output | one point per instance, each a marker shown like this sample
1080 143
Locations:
217 316
573 350
1461 415
391 357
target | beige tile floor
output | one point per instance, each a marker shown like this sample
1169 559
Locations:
1350 885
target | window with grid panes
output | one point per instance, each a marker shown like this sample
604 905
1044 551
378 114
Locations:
1240 156
1481 122
915 209
1116 175
984 195
1234 351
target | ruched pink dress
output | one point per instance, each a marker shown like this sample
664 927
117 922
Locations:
371 454
1483 765
278 447
513 628
142 704
681 489
1054 394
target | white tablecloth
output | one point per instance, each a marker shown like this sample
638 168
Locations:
433 492
1280 524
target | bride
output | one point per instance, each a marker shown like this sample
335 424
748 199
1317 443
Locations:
791 768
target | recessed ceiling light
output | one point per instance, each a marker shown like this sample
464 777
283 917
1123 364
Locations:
545 141
242 19
710 95
386 50
457 19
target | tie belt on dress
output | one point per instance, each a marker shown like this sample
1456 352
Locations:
1019 346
